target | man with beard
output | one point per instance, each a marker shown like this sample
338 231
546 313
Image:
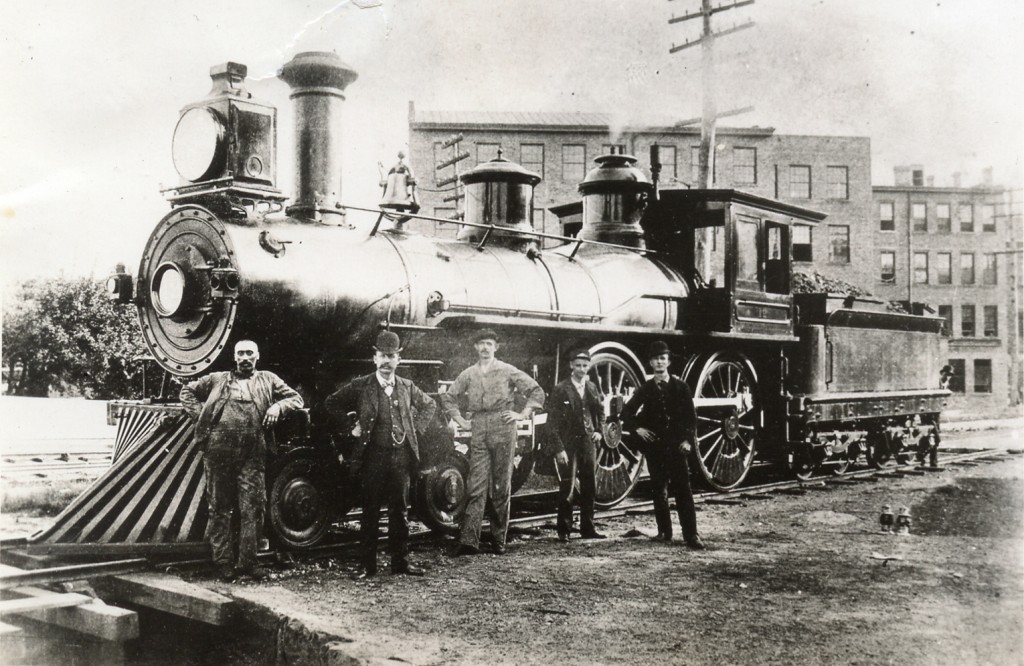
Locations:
391 410
234 412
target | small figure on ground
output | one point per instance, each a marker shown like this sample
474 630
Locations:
234 412
488 389
391 411
575 419
662 415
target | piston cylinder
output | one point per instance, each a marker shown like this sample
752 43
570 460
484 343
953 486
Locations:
317 81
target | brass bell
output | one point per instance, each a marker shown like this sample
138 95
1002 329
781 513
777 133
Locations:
399 188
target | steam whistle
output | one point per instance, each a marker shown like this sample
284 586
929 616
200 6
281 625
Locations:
886 519
903 521
399 190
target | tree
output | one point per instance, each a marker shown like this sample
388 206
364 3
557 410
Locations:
69 339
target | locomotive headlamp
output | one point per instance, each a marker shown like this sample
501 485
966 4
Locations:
168 289
119 286
199 145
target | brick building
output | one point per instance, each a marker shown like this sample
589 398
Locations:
959 250
877 238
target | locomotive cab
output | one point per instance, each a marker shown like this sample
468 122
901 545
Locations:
734 247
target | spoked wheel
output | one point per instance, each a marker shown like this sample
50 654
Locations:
882 449
618 465
299 511
728 419
441 494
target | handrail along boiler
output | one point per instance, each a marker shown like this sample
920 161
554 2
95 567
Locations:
799 381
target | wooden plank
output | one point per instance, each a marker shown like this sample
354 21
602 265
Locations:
51 600
8 629
171 595
96 618
120 549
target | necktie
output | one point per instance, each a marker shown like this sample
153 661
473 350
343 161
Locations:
389 388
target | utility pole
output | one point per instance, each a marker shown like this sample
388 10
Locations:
709 111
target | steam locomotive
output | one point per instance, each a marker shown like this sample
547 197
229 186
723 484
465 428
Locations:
796 381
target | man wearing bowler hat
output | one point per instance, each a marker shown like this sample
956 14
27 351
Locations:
575 418
487 388
391 410
662 415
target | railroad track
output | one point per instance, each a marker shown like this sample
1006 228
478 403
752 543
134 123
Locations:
27 466
347 543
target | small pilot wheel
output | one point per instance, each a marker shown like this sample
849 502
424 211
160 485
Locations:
728 420
522 462
299 509
618 465
880 450
441 494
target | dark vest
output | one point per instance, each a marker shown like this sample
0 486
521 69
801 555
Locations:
388 430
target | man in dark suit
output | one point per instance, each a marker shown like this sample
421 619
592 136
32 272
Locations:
391 410
662 415
575 418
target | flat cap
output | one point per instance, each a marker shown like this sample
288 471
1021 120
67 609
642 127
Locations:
485 334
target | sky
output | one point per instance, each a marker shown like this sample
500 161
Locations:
91 90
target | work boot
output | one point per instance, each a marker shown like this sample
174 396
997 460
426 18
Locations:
662 536
499 549
694 542
563 537
593 535
465 549
404 568
254 572
226 573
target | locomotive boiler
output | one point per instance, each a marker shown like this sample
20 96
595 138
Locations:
799 382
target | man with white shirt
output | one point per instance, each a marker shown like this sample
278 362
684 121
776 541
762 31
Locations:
390 411
575 420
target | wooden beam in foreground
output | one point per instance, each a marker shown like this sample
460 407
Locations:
95 618
169 594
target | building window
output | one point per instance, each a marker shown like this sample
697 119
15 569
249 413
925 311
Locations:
695 167
965 213
886 218
966 268
989 270
838 182
942 222
957 383
887 260
802 243
946 312
982 375
990 321
920 268
487 152
944 268
531 156
919 216
669 166
839 243
967 321
613 149
744 166
574 162
917 176
445 229
988 218
799 182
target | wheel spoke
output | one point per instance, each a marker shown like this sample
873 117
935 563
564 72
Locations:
701 438
707 419
627 454
711 449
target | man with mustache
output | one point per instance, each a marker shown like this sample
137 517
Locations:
391 411
234 412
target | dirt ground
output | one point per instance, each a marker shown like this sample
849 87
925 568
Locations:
793 580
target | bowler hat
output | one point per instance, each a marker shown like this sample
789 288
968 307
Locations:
657 348
579 353
485 334
388 343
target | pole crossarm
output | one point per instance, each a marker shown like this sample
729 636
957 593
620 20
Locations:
714 10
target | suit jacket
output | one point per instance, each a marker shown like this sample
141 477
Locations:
204 399
361 395
677 422
566 411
